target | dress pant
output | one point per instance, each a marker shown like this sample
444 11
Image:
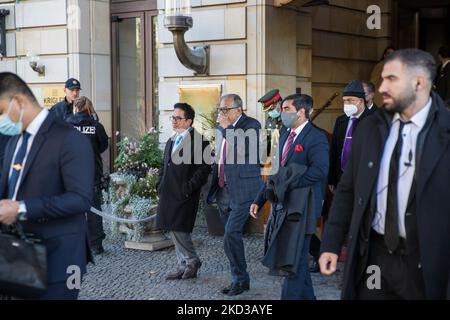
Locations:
95 222
184 249
234 217
401 273
59 291
299 287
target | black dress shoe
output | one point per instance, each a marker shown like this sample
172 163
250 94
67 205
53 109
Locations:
235 288
191 270
175 275
98 250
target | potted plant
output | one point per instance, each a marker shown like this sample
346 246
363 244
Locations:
132 189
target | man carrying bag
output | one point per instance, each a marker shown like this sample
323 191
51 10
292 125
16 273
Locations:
47 185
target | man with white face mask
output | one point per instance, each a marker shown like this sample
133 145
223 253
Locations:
344 129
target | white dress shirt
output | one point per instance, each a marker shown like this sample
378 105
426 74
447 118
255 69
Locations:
410 133
297 132
182 135
350 121
32 129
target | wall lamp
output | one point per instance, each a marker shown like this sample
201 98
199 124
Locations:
178 20
40 69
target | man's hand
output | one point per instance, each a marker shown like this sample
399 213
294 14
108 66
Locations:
9 210
327 263
224 122
254 208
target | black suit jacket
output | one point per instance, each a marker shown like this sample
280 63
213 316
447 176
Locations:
442 83
57 186
180 181
352 209
337 143
373 109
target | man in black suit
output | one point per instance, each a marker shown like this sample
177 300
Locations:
442 80
344 129
48 183
183 172
236 181
369 91
302 144
393 200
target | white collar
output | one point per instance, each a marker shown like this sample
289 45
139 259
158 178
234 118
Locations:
37 122
359 115
300 128
420 117
444 64
182 134
234 124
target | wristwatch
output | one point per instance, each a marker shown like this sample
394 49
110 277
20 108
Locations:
22 216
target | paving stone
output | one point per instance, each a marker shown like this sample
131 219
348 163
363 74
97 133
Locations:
125 274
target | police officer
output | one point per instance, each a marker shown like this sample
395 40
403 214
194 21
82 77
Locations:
94 130
64 108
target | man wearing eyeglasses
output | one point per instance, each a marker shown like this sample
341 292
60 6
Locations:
236 181
183 172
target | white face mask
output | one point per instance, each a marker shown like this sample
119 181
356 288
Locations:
350 109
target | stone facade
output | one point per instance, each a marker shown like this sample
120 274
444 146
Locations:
255 46
71 39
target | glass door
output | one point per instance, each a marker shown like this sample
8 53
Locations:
134 74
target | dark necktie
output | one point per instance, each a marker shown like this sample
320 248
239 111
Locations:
391 237
347 143
18 165
289 143
222 165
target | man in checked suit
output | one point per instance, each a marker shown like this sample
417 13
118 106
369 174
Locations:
302 144
236 181
47 182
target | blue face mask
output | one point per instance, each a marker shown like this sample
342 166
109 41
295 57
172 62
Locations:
7 126
274 114
289 118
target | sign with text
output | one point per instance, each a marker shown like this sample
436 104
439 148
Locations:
52 95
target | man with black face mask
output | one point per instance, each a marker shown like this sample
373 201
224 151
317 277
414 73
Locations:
392 200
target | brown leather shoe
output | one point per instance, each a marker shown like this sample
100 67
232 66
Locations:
191 270
175 275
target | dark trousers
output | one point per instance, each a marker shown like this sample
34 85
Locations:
299 287
314 249
59 291
234 217
95 222
401 273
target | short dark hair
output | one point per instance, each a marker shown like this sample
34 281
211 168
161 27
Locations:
444 51
11 84
301 101
189 112
369 86
415 58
